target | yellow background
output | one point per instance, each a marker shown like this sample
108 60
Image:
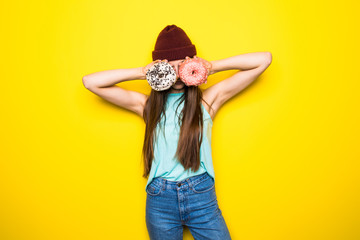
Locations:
285 150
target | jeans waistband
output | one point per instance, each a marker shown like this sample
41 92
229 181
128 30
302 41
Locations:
190 181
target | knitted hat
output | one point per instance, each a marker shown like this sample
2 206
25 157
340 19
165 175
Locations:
173 44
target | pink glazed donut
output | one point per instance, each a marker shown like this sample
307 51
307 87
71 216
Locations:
193 72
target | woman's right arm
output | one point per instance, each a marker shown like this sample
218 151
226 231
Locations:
103 84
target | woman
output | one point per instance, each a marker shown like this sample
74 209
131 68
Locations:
177 145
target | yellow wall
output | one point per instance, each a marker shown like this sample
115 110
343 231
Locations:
285 150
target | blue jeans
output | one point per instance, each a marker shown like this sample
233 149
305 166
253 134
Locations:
191 202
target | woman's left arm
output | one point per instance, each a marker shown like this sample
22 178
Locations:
242 62
251 66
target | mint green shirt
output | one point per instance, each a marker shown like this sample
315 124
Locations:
165 162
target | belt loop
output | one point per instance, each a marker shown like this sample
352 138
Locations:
189 182
163 184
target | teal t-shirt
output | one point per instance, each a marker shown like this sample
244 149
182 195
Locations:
165 163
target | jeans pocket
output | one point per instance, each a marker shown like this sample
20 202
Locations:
204 185
154 188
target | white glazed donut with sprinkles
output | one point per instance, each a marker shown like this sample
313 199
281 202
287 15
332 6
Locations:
161 76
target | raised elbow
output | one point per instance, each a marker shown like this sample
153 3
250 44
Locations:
85 81
268 58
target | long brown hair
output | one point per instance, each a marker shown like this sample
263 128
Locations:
190 139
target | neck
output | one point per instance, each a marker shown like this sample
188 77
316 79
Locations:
176 91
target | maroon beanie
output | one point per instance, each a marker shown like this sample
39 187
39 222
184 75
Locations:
173 44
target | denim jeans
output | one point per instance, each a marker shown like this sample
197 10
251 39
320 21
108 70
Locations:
191 202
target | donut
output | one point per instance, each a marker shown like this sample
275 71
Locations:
161 76
193 72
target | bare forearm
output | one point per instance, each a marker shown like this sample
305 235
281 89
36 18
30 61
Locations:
244 61
111 77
